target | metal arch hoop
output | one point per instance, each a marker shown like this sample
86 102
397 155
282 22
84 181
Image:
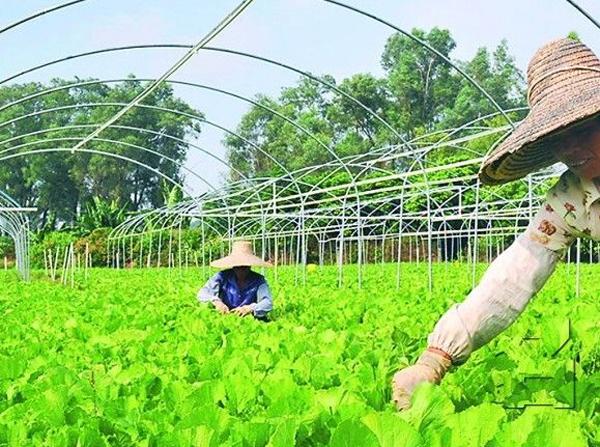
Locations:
14 222
40 14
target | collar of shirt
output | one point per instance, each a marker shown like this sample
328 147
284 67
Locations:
251 281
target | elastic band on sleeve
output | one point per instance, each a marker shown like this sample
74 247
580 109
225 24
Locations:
440 352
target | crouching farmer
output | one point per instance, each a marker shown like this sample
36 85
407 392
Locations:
236 288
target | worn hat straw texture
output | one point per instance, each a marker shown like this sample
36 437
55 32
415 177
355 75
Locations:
563 81
241 255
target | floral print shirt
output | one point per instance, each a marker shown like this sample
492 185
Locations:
571 210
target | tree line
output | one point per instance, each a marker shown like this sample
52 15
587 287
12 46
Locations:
74 188
419 93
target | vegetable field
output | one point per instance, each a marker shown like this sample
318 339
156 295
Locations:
130 358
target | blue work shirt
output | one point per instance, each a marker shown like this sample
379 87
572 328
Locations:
223 285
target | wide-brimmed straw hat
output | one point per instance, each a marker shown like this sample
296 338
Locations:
241 255
563 81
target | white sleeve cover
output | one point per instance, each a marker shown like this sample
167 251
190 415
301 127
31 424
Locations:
511 280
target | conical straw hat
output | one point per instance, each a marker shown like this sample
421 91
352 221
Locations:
563 80
241 255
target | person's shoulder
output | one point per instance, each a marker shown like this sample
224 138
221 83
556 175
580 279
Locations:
567 189
567 183
567 198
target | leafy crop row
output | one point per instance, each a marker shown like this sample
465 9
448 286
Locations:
130 358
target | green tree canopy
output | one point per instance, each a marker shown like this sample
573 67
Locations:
62 185
419 93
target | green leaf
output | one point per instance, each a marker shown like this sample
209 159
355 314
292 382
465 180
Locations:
430 407
392 431
284 435
205 437
353 433
547 427
430 412
556 428
17 434
11 367
476 425
51 406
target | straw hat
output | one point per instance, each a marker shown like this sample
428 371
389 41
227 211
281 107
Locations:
241 255
563 80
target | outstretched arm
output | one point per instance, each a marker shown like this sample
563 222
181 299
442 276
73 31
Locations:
509 283
503 293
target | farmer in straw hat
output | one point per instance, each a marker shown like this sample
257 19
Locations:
563 125
237 289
